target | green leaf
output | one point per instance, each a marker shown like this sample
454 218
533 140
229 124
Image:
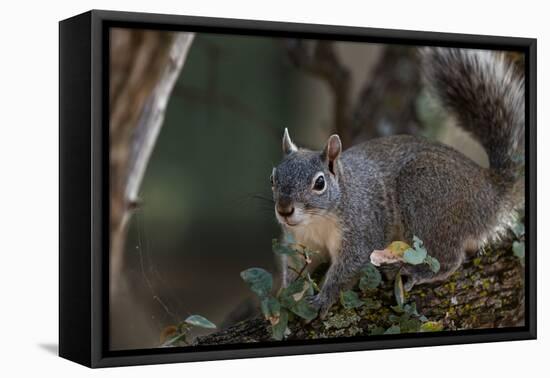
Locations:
259 281
410 309
397 308
519 229
175 341
396 319
415 256
278 330
350 299
409 325
312 285
370 278
417 243
394 329
398 290
398 248
282 249
304 310
519 249
371 304
293 292
433 263
431 327
377 331
271 308
200 321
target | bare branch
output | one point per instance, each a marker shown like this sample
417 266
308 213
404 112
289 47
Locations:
386 104
487 292
323 62
152 116
144 68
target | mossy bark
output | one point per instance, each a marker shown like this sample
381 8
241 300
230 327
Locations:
487 292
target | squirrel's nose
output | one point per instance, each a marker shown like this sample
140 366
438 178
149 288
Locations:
285 210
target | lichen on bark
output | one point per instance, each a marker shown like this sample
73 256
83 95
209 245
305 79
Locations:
486 292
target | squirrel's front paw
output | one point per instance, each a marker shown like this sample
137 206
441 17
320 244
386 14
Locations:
321 304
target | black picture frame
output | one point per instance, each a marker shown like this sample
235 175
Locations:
84 194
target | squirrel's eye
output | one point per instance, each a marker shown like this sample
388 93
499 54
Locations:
319 183
271 179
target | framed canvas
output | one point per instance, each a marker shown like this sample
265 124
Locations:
234 188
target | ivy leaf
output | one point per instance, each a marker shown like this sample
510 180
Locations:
519 249
259 281
417 242
377 331
415 256
293 292
433 263
306 289
411 310
370 279
371 304
409 325
350 299
397 308
399 291
175 341
312 286
282 249
199 321
398 248
431 327
278 329
271 308
293 298
394 329
396 319
519 229
304 310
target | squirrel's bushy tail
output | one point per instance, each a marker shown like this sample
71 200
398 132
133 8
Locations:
486 94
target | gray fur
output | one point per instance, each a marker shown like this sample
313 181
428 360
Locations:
395 187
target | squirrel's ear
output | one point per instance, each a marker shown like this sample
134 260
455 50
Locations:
332 151
288 146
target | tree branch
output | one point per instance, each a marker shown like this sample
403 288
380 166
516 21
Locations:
144 68
387 102
487 292
323 62
152 116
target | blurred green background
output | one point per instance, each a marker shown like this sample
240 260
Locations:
200 222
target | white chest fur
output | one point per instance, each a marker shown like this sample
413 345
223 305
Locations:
322 234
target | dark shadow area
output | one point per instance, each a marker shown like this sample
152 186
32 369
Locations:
52 348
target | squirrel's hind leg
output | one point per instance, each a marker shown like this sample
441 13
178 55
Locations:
420 274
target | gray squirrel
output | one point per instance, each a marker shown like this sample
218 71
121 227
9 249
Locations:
346 204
